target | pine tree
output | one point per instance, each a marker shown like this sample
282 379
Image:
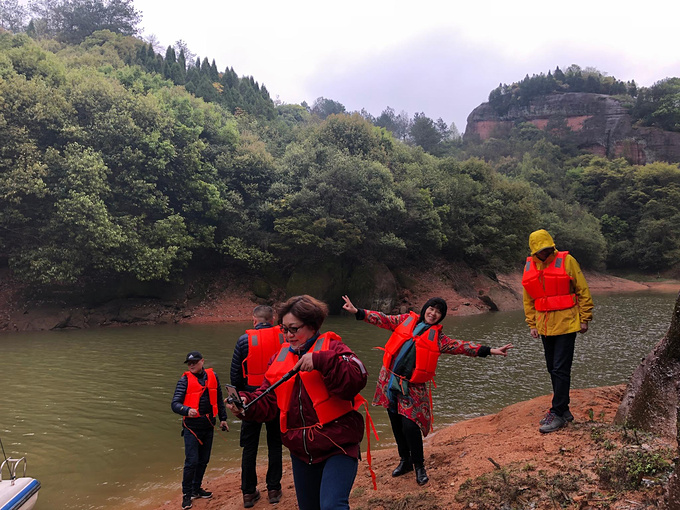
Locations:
214 73
170 56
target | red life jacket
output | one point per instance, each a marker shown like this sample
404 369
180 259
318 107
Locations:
262 345
427 348
550 288
195 390
327 407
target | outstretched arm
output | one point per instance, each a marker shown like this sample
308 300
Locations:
502 351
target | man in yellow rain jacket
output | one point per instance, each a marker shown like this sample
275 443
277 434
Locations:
557 305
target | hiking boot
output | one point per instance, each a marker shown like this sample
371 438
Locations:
404 467
186 501
421 475
250 499
274 496
201 493
552 423
567 416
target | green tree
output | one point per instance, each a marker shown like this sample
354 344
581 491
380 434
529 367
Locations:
323 107
12 15
80 18
424 133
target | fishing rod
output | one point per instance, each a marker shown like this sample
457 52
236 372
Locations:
6 460
235 398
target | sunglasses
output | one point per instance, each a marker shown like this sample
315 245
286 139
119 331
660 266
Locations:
291 329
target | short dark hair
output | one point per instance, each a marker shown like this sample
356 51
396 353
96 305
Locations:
264 312
435 302
309 310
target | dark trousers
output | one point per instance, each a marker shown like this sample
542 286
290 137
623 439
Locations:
196 458
325 485
559 355
250 439
409 438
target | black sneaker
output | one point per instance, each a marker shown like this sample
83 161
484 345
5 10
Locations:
186 501
552 423
201 493
567 416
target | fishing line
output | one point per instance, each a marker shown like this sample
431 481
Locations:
9 468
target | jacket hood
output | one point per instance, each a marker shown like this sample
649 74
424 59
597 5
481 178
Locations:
539 240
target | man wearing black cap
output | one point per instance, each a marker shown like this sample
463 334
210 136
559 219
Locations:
199 409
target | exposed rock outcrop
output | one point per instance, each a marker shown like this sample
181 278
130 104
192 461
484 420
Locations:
599 123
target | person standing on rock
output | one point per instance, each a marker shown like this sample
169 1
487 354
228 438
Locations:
557 305
409 363
249 363
198 399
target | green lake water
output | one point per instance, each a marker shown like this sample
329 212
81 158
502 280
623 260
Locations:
91 409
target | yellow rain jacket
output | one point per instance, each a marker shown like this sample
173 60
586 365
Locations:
558 322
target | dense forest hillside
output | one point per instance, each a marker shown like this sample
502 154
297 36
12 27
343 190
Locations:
119 163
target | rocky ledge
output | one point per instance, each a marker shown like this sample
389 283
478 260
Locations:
599 123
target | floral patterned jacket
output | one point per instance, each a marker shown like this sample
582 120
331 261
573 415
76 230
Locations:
416 405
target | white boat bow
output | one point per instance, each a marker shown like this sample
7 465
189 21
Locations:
17 493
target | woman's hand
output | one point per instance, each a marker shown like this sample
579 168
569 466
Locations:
236 410
348 305
502 351
305 363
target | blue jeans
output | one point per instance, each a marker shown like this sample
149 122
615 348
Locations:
559 355
196 457
250 438
326 485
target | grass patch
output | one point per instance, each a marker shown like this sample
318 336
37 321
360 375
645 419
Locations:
515 488
622 460
627 468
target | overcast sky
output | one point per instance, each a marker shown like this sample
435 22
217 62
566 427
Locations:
436 57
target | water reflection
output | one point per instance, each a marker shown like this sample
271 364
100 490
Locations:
91 409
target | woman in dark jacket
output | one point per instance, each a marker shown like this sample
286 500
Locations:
319 423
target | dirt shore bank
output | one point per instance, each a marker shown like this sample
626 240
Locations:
235 304
469 449
229 298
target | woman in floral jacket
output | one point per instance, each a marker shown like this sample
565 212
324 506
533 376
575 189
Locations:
408 365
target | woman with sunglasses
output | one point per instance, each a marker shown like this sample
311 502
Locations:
409 363
319 422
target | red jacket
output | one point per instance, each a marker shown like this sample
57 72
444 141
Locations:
195 390
427 348
262 345
328 407
344 376
551 287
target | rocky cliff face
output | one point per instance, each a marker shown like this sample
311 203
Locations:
600 124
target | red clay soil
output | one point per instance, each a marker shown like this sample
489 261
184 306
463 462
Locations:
466 450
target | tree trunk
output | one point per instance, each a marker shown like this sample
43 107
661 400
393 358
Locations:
650 402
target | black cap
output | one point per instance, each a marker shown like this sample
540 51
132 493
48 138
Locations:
193 356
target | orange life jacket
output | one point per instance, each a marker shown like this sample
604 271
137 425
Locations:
327 407
550 288
262 345
427 348
195 390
